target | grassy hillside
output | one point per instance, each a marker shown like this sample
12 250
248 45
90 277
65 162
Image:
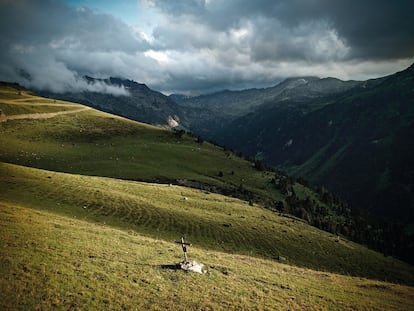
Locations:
55 262
95 143
209 220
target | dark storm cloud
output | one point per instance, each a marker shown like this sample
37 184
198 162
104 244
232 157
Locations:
379 29
266 40
54 45
53 23
203 45
372 28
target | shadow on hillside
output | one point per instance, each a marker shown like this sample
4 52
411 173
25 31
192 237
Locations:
171 267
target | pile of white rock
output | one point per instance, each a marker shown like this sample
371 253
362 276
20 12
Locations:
193 266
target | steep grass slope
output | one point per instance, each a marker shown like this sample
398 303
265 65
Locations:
209 220
94 143
54 262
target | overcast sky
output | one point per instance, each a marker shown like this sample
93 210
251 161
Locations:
199 46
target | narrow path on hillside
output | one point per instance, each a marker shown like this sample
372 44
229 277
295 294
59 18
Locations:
39 104
28 102
4 118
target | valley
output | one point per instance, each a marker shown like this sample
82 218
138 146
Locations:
357 146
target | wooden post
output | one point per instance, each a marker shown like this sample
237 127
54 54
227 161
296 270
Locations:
184 246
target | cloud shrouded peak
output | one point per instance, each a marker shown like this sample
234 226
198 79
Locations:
203 45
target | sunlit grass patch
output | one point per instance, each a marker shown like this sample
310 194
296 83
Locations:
212 221
12 109
95 143
50 261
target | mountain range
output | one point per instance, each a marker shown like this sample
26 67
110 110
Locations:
209 113
356 142
352 137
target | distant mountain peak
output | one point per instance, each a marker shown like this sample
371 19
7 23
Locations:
304 79
128 83
116 81
142 103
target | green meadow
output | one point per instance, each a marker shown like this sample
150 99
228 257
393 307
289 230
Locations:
95 143
49 261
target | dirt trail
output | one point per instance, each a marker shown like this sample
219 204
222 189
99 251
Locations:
26 101
4 118
40 104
